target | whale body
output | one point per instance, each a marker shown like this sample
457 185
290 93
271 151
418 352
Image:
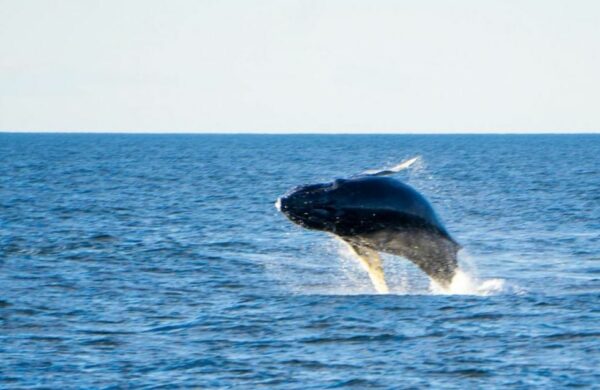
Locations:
375 213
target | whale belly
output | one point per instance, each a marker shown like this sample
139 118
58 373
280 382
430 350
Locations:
432 252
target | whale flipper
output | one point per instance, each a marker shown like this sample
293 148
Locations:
395 169
371 262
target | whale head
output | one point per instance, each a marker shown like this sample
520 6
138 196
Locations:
343 206
313 206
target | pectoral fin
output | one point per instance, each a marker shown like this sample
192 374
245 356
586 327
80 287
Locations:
395 169
371 262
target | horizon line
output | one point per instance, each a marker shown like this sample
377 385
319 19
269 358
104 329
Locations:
595 132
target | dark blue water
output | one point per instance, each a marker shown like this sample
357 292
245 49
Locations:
154 261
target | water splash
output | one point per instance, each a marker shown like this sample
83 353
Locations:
405 279
465 283
325 276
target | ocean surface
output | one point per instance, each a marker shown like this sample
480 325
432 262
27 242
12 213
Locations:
160 261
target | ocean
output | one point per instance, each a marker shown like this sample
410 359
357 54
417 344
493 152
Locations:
160 261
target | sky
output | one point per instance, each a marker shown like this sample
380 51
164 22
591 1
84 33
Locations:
344 66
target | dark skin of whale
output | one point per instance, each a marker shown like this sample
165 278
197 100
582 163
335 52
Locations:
375 213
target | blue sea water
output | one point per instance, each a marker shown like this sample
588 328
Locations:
159 261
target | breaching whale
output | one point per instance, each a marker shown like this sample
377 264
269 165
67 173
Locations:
374 213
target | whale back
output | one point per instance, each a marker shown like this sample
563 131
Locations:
389 201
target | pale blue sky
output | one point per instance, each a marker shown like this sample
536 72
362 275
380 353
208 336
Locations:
300 66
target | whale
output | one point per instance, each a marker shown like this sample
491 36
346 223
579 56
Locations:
375 213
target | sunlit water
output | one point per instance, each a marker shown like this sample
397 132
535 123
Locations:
160 262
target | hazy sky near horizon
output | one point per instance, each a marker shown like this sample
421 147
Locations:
300 66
